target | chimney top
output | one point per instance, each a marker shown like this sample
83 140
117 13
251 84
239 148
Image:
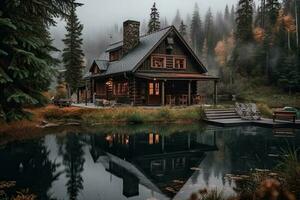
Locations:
131 35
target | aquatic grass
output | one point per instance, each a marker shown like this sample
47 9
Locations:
289 168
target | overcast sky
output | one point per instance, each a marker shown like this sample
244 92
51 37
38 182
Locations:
98 16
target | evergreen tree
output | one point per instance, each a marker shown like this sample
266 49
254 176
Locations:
73 53
154 23
232 17
26 65
177 20
244 52
244 21
272 11
209 31
287 73
226 14
182 29
164 23
197 38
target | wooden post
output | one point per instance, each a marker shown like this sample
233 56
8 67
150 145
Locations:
78 95
163 93
215 92
93 91
86 92
189 94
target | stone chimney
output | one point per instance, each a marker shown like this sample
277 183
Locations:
131 35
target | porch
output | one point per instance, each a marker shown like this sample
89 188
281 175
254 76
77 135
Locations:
164 89
149 89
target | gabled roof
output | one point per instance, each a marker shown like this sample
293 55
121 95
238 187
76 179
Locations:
102 64
148 43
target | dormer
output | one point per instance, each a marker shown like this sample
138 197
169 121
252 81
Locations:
115 55
98 67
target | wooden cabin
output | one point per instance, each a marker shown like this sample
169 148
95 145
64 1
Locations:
154 69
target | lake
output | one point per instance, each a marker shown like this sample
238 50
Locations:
140 161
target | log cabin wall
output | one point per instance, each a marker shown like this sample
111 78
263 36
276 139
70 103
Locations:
179 50
137 91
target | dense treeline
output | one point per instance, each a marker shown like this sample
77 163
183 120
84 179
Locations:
247 41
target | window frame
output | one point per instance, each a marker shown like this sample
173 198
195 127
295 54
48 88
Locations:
179 58
159 57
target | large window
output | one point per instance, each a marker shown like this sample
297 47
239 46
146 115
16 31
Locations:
154 89
168 61
158 61
120 89
179 63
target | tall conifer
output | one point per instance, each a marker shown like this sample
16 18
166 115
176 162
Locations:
197 38
73 53
154 23
26 65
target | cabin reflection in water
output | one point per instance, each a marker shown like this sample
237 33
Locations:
161 163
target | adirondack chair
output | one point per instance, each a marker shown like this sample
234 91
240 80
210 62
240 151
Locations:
243 111
255 114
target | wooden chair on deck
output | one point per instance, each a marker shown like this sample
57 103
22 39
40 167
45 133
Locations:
199 99
183 100
170 100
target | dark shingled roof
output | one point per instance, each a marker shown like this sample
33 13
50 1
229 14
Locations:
133 58
102 64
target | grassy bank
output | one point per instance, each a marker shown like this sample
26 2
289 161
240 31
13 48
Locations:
55 116
271 96
130 115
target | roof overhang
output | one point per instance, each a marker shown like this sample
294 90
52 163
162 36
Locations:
176 76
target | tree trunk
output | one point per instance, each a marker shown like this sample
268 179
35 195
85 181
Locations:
289 41
297 27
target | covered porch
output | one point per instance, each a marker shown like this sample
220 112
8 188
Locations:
161 89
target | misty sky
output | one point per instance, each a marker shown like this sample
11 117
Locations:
98 16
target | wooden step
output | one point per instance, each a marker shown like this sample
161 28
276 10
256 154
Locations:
223 114
216 110
221 117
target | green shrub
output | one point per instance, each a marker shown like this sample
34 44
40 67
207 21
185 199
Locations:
135 118
164 114
265 110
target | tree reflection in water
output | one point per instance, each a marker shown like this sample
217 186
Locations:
73 160
28 164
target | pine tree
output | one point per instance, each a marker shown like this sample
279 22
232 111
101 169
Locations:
244 21
272 11
182 29
197 38
226 14
177 20
73 53
154 23
164 23
26 65
232 17
243 53
209 31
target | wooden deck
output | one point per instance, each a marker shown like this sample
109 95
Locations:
220 119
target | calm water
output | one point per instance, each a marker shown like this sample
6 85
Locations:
140 162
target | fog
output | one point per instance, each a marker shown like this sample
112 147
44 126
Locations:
102 17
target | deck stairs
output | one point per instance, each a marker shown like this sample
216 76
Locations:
219 114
